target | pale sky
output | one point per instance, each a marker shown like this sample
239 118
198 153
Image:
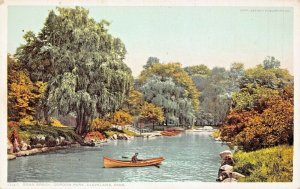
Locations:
214 36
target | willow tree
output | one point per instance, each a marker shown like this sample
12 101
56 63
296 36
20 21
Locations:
171 97
81 62
179 76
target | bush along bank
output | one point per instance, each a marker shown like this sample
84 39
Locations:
273 164
29 140
226 173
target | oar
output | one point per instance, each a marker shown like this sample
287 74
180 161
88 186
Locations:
157 166
124 157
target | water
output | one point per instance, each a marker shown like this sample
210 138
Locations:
189 157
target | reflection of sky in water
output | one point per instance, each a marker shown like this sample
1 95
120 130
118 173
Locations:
189 157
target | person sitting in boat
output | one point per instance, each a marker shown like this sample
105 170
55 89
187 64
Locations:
134 158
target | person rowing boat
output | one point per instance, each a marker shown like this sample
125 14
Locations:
134 158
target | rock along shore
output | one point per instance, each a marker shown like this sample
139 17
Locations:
38 150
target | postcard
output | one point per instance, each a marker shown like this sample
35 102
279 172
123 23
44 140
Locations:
151 94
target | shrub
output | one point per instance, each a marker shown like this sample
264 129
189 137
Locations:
129 133
56 123
99 124
50 141
121 118
27 121
266 165
95 135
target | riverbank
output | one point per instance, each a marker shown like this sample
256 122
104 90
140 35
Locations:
39 139
274 164
38 150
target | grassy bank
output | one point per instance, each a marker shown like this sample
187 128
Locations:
266 165
27 132
112 132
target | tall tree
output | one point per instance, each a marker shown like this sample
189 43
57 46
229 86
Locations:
171 97
151 61
179 76
81 62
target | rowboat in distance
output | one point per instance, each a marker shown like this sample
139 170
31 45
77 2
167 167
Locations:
112 163
170 133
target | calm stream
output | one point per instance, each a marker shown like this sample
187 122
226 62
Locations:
189 157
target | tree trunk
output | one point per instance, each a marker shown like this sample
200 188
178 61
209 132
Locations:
153 126
81 122
46 114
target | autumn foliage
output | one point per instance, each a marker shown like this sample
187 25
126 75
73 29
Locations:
121 118
266 121
23 94
151 113
94 135
99 124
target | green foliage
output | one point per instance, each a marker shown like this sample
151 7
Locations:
266 165
179 77
110 133
81 62
198 70
125 131
270 63
268 76
150 62
215 97
173 99
129 133
237 70
27 132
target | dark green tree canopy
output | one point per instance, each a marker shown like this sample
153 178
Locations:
82 63
151 60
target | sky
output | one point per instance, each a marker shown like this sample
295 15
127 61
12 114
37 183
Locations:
214 36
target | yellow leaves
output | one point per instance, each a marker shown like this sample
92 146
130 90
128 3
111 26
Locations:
23 94
152 113
134 102
121 118
100 124
27 121
56 123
